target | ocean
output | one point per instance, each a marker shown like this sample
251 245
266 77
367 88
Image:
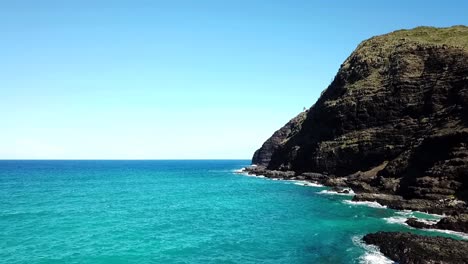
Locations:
179 211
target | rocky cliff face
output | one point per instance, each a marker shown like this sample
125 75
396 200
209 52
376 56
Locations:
263 155
407 248
393 121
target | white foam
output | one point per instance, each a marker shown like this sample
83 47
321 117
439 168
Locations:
428 222
253 175
396 220
403 215
410 213
245 173
450 232
351 193
306 183
372 254
370 204
239 170
407 213
374 258
402 220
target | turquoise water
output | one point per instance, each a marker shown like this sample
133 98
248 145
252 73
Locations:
174 212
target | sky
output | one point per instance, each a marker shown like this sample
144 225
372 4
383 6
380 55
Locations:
177 79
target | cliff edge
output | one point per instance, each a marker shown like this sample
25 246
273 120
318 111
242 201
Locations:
393 124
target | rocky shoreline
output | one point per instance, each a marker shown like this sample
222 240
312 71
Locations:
392 126
458 223
407 248
449 207
456 215
398 246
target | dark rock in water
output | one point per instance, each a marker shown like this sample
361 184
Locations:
315 177
457 223
336 189
335 181
414 222
339 190
407 248
260 170
399 203
394 121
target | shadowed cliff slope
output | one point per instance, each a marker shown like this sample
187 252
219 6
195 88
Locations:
396 114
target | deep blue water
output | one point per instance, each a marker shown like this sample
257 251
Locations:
174 212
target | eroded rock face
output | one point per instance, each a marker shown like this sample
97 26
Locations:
417 223
457 223
407 248
263 155
394 120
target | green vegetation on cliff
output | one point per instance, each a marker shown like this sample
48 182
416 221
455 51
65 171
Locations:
456 36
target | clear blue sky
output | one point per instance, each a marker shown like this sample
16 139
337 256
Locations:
176 79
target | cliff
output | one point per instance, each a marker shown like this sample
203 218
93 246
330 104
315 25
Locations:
263 155
393 122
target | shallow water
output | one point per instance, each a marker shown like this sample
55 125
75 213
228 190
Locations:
176 212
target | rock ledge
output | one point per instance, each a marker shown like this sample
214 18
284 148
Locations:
407 248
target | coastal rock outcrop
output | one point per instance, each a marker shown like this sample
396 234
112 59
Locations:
456 223
392 125
263 155
407 248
